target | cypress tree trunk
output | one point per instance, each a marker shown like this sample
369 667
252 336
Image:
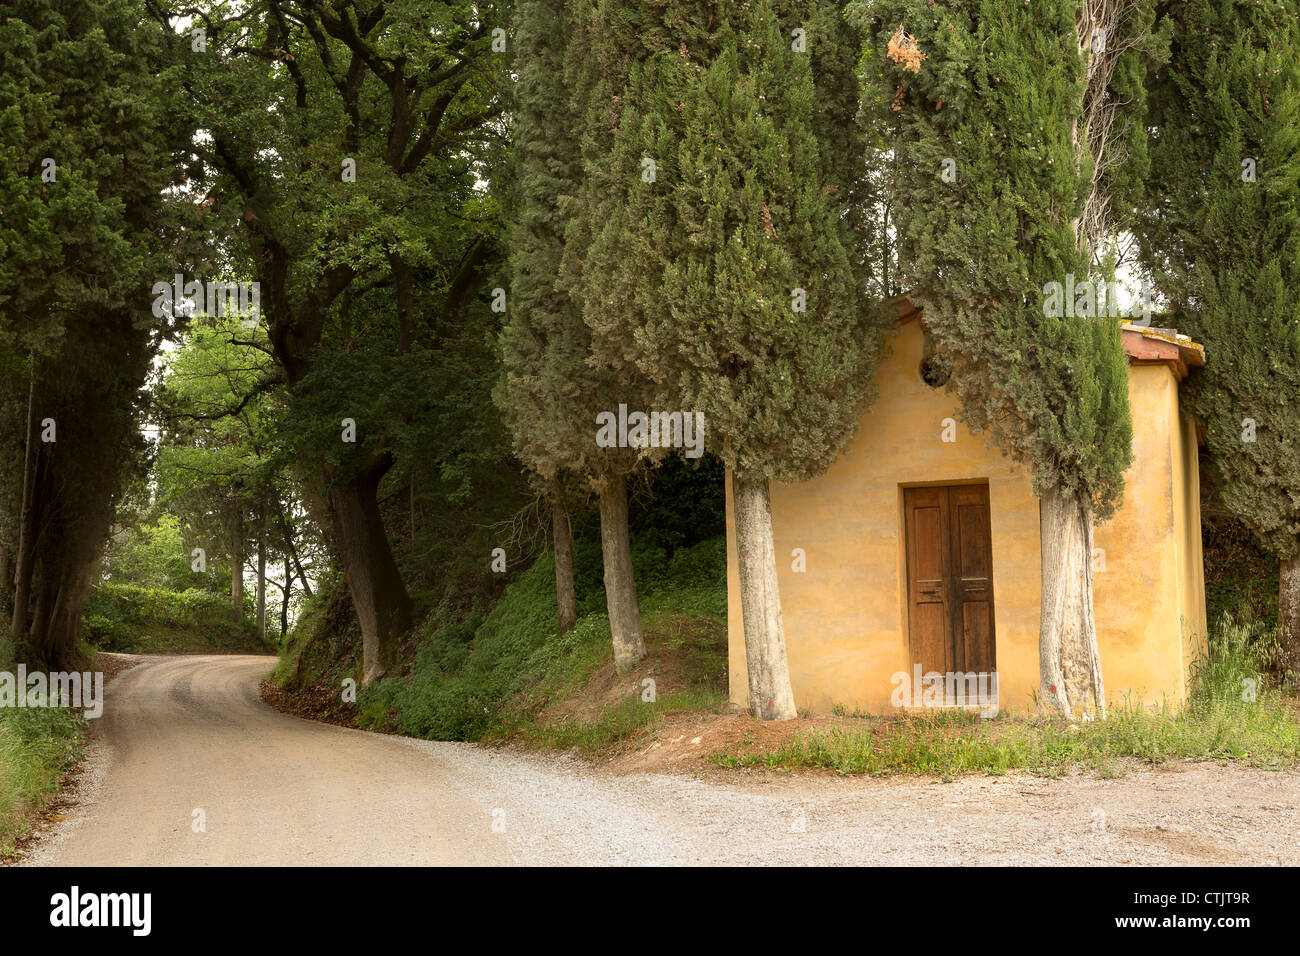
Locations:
5 583
61 628
1069 665
1288 619
770 696
36 649
378 594
25 558
565 595
620 587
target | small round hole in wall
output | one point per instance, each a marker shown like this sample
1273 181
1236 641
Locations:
933 372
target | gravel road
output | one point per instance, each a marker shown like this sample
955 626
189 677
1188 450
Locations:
187 734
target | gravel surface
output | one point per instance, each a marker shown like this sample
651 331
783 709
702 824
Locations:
181 734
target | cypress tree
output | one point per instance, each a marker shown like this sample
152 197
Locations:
550 391
541 344
729 279
86 225
1221 234
1002 176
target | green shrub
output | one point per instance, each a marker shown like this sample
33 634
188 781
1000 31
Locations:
124 617
109 633
1238 655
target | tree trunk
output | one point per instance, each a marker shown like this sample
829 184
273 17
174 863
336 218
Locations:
284 605
378 594
1288 619
237 566
620 587
61 633
36 649
565 594
6 584
61 588
404 286
1069 664
261 584
291 547
25 558
770 695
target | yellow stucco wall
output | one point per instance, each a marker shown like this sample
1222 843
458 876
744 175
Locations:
1192 579
845 615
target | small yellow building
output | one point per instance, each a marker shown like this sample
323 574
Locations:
918 550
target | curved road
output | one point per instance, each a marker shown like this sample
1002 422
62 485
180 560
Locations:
181 734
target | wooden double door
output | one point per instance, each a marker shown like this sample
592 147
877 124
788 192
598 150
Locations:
950 578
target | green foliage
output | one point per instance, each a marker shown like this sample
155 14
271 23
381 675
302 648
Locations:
1241 578
88 86
37 746
549 393
468 669
215 469
127 617
690 281
681 503
976 252
1224 246
325 638
510 647
91 214
154 556
1242 651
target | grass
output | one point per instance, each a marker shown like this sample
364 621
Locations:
1266 733
489 677
1223 721
36 748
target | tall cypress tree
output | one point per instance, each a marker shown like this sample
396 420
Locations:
86 225
551 391
1221 234
1002 178
729 278
543 341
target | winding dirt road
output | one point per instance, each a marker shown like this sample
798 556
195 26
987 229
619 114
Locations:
187 734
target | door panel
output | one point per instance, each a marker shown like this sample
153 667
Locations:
972 556
927 574
950 578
